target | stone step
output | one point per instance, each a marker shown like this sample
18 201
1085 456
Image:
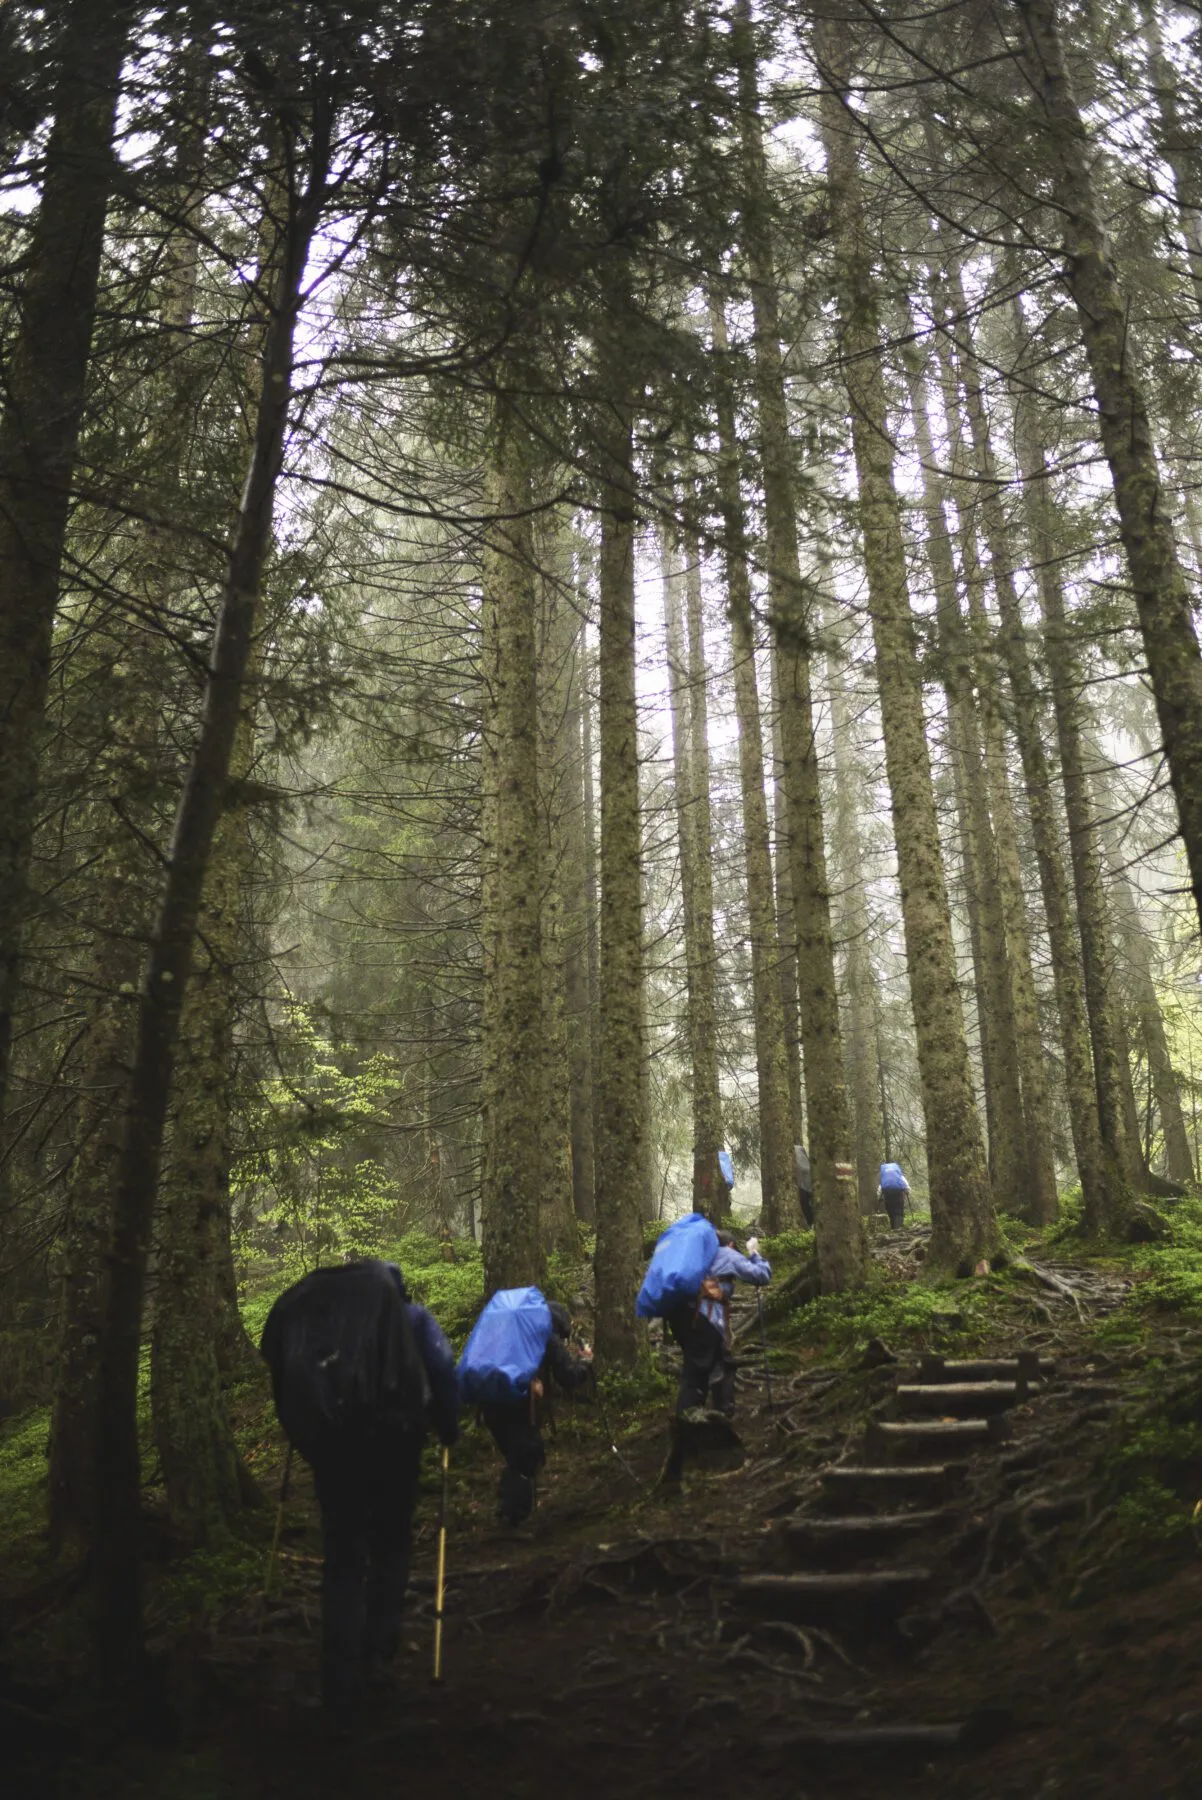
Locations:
850 1600
966 1399
1026 1366
911 1439
873 1485
831 1542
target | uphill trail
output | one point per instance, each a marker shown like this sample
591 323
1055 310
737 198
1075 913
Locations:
891 1594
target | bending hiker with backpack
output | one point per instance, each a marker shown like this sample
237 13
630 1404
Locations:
689 1285
893 1192
359 1372
518 1346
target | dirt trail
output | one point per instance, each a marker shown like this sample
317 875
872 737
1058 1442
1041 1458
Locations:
865 1607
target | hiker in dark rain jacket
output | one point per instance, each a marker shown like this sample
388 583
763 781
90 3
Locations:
359 1374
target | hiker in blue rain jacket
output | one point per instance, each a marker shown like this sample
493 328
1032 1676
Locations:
701 1327
516 1425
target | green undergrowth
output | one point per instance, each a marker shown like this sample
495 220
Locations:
1172 1268
23 1445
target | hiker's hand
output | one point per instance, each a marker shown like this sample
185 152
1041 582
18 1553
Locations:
586 1350
753 1246
536 1388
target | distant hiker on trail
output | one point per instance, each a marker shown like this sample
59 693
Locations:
805 1182
893 1193
518 1346
359 1372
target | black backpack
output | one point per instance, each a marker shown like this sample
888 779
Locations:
344 1357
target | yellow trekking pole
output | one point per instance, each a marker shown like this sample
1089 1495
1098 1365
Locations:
441 1578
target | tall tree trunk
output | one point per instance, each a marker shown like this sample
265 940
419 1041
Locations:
571 825
1177 143
864 1074
512 1025
1094 1168
120 1645
781 1207
839 1235
786 924
1041 1203
1121 1155
1136 946
622 1128
963 1225
556 664
592 902
1162 594
44 388
696 894
999 1034
710 1194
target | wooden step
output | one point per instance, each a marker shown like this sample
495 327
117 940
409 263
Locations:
829 1541
1026 1366
982 1730
966 1399
849 1600
873 1485
910 1439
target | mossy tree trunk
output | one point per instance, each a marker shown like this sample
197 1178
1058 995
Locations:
1162 595
43 392
781 1207
119 1641
569 825
696 883
999 1035
837 1218
512 1060
864 1075
710 1194
961 1209
622 1129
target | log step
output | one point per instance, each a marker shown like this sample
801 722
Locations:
849 1600
829 1541
967 1399
982 1730
933 1437
874 1485
1027 1367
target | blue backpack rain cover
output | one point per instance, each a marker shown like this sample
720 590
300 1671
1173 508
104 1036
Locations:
678 1267
891 1176
727 1167
506 1348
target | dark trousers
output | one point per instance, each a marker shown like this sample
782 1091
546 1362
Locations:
366 1484
895 1206
519 1438
707 1368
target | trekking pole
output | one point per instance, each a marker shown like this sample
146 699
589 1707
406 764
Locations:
609 1432
279 1520
441 1577
759 1304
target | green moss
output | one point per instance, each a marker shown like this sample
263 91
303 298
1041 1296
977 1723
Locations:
23 1446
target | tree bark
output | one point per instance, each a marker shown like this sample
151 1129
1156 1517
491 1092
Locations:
999 1035
696 883
44 390
1041 1205
622 1130
838 1232
864 1075
119 1644
781 1207
963 1225
1162 594
512 1060
571 827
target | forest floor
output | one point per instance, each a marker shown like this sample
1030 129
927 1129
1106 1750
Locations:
607 1650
